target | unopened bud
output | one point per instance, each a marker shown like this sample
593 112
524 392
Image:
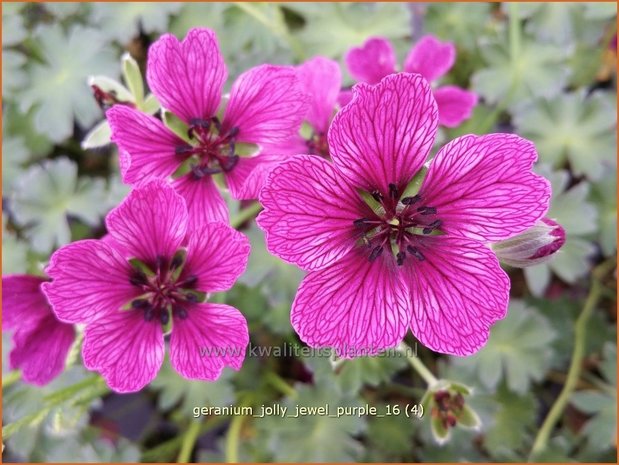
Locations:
533 246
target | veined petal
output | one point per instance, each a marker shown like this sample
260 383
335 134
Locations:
249 175
267 104
23 302
357 306
146 146
217 255
483 187
384 135
150 222
454 105
204 201
211 337
371 62
187 77
430 57
309 212
125 349
457 292
89 280
40 351
321 79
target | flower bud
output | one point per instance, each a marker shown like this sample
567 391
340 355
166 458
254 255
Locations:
533 246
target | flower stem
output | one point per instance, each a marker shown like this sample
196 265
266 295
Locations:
514 31
245 214
573 374
282 386
189 440
418 365
234 434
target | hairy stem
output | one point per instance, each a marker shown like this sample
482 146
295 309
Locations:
280 384
189 441
573 374
245 214
418 365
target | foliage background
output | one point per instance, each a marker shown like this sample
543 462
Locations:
544 71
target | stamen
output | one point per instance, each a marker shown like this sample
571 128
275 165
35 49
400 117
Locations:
427 210
164 317
188 282
140 303
149 314
432 226
360 222
393 191
376 252
184 149
414 251
377 196
400 258
181 313
191 297
138 278
411 200
229 163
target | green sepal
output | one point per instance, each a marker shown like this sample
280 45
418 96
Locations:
150 104
439 432
139 265
306 130
461 388
176 125
111 86
98 136
468 418
133 78
244 149
413 187
167 328
200 296
178 263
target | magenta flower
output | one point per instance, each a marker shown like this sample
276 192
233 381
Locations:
321 80
429 57
40 342
383 257
149 277
266 107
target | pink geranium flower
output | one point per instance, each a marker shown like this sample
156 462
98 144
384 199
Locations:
383 256
266 107
429 57
40 342
321 80
149 277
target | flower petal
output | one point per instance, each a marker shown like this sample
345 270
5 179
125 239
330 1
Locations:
454 105
267 104
384 135
309 212
23 302
204 201
125 349
371 62
356 306
217 255
430 57
150 222
89 280
458 291
146 146
187 77
321 79
211 337
249 175
483 187
40 352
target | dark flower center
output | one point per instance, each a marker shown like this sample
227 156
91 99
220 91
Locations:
397 226
317 144
166 291
213 151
